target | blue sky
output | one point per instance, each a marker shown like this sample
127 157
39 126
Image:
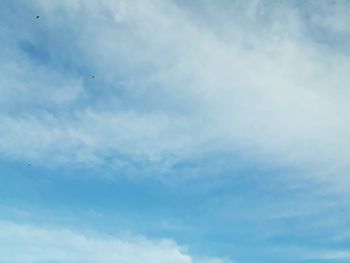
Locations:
174 131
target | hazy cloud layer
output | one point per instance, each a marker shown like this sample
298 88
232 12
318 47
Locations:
173 80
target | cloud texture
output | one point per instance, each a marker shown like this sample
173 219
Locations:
174 80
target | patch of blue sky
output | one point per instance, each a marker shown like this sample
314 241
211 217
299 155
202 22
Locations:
232 216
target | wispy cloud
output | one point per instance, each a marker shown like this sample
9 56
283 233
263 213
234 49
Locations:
169 85
330 255
28 243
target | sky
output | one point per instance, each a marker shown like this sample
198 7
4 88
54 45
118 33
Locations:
174 131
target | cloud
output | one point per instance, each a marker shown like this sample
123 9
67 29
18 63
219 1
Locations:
342 255
29 244
175 81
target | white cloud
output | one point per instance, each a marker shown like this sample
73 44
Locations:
176 85
29 244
